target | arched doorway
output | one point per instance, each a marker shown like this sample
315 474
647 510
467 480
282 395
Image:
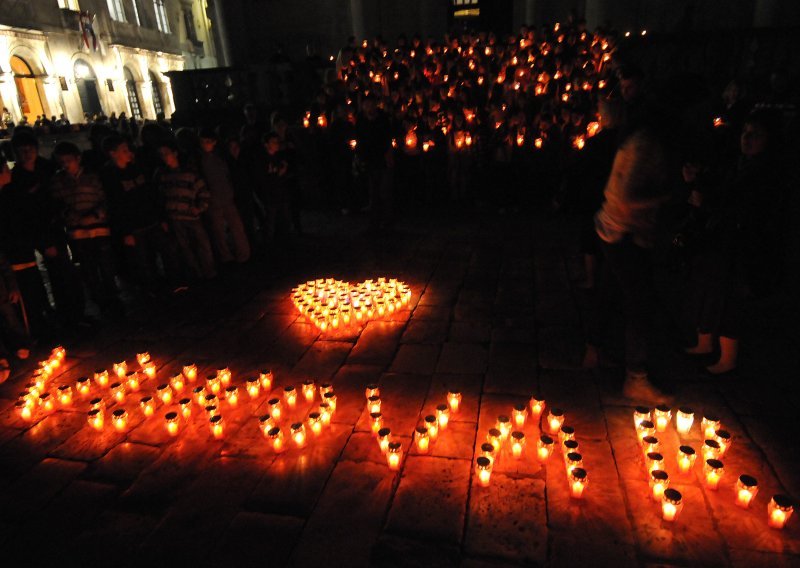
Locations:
86 82
155 87
30 99
133 95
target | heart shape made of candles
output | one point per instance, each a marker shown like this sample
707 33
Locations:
330 304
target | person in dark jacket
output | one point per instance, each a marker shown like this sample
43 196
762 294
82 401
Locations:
374 151
11 329
273 187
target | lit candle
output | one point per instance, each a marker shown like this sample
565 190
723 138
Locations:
659 481
537 405
780 508
274 405
372 390
142 358
118 392
578 480
299 434
519 414
120 369
232 395
83 386
684 420
325 388
723 438
171 419
101 378
644 429
224 375
422 439
710 424
177 382
309 389
374 404
663 415
97 403
671 504
276 439
190 372
290 396
186 407
568 446
213 384
384 437
555 419
566 433
96 418
58 353
504 425
46 402
746 489
711 450
330 398
217 426
432 425
686 459
573 460
325 413
495 438
376 422
265 424
483 469
120 419
211 410
640 413
133 381
164 392
265 377
654 460
443 415
713 471
148 406
454 400
487 451
517 443
65 395
650 444
315 423
544 447
149 369
394 453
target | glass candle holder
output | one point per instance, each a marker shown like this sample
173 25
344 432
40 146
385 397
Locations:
199 395
164 393
177 382
265 424
640 413
118 391
710 424
120 369
671 504
422 439
325 413
119 418
376 422
654 460
713 471
384 437
374 404
299 434
662 416
566 433
686 458
225 376
133 381
432 425
684 420
232 395
276 440
659 481
101 378
147 405
495 438
186 407
325 388
779 510
309 390
58 353
171 422
711 450
537 405
454 400
483 471
96 418
723 438
330 398
253 387
265 377
213 384
519 415
544 448
64 394
443 416
25 410
190 372
645 428
573 460
555 420
46 402
97 403
274 405
290 396
82 386
746 490
372 390
211 410
650 444
504 425
394 454
578 480
487 451
217 426
142 358
149 370
517 444
314 423
568 446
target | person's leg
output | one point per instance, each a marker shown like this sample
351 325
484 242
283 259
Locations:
65 284
34 299
241 246
202 249
14 331
219 236
183 236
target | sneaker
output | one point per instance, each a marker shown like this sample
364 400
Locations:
638 388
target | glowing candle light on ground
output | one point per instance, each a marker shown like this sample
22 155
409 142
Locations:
83 386
376 422
58 353
274 405
544 448
142 358
213 384
65 395
503 424
713 471
299 434
746 490
454 400
422 439
555 419
24 410
711 450
232 395
97 403
537 405
645 428
148 406
640 413
443 416
578 480
133 381
432 425
568 446
314 423
149 369
118 392
265 377
309 390
325 388
663 415
211 410
290 396
684 420
483 470
723 439
120 419
190 372
384 437
686 459
779 511
120 369
659 481
253 387
276 439
654 460
96 419
325 413
171 420
177 383
671 504
566 433
186 407
372 390
164 392
487 451
650 444
374 404
573 460
710 424
330 398
519 415
394 454
101 378
199 395
517 444
225 376
217 426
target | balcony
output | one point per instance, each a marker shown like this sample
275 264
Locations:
131 35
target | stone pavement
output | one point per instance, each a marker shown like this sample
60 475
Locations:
496 313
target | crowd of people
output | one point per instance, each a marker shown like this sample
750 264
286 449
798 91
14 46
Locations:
545 119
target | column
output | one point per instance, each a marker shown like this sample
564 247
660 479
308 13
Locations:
220 29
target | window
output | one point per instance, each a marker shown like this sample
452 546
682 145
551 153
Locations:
69 5
188 19
136 12
133 94
161 16
155 85
116 10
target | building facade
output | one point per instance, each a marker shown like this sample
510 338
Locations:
78 57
